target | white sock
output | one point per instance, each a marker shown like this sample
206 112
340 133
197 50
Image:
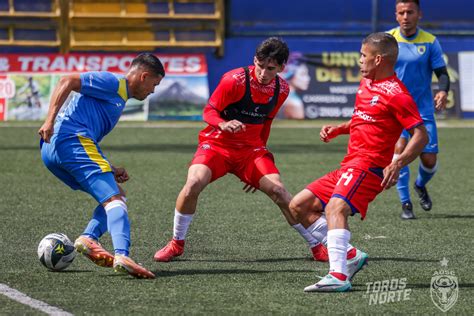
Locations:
319 230
306 235
338 240
181 224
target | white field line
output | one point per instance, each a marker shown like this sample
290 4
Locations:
31 302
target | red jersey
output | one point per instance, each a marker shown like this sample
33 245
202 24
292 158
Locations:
240 96
382 110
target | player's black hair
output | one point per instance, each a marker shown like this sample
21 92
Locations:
417 2
149 61
384 44
273 48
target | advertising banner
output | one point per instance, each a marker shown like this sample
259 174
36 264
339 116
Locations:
28 80
324 85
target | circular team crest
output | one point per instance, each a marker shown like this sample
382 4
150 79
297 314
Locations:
444 288
421 49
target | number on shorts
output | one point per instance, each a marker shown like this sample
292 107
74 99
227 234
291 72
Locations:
346 175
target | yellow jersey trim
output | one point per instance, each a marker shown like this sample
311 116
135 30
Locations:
122 89
93 153
422 37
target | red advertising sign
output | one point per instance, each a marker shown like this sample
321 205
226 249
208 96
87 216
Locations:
53 63
27 82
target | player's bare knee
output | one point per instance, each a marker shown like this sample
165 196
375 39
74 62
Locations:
193 187
428 160
297 209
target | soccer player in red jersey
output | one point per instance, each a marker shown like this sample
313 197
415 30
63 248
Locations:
239 115
383 108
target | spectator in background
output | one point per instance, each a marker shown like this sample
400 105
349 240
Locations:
420 55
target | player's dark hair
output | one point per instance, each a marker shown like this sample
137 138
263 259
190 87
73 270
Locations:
417 2
384 44
149 61
273 48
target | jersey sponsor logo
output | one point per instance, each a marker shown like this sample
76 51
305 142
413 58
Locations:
364 116
374 100
253 114
205 146
421 49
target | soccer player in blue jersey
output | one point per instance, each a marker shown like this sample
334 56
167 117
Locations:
419 56
70 150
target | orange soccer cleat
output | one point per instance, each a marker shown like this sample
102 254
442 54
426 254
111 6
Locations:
174 248
94 251
320 253
124 264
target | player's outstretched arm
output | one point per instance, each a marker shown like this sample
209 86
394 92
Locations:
329 132
413 149
61 92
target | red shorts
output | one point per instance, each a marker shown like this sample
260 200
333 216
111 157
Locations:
355 186
248 164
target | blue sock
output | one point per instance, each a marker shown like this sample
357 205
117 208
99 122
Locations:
118 226
403 185
425 174
97 225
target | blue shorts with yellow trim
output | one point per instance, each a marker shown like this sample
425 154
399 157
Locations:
78 162
432 146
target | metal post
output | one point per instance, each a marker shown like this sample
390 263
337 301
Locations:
375 15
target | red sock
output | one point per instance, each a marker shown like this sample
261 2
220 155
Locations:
351 253
337 275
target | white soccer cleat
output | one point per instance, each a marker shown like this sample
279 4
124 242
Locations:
356 264
329 284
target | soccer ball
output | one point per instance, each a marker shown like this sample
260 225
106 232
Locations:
56 252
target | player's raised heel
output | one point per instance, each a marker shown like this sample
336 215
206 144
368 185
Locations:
425 200
320 253
125 265
174 248
94 251
356 264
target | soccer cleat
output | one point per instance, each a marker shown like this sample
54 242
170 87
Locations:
356 264
425 200
329 284
407 211
174 248
320 253
124 264
94 251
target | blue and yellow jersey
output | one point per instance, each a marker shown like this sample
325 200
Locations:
418 56
96 109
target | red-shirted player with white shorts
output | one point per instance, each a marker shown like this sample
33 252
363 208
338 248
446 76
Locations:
383 108
240 114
